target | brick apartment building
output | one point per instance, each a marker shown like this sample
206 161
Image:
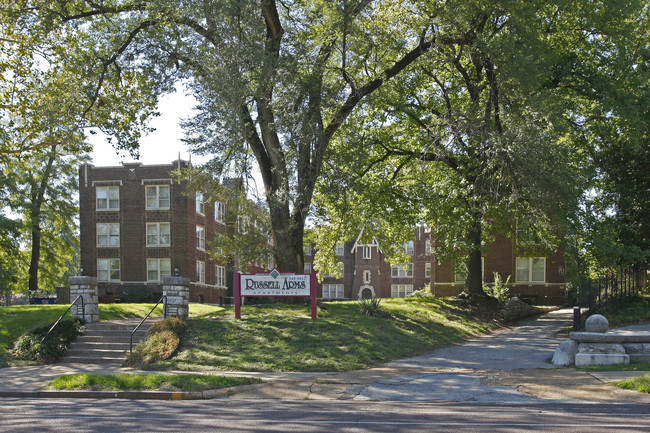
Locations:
138 224
366 272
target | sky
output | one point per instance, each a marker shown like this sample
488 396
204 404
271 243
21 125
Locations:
159 147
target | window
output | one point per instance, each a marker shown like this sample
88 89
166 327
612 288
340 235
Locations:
220 273
200 204
531 269
340 249
108 269
157 269
200 237
366 277
108 235
108 197
200 272
271 261
307 268
243 224
401 290
366 252
427 247
157 196
460 271
158 234
409 247
219 211
427 270
400 272
308 250
333 291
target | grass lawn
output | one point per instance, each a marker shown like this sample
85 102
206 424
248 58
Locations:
153 381
18 319
639 384
284 338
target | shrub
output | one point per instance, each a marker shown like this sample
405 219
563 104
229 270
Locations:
161 343
424 292
500 289
28 346
371 307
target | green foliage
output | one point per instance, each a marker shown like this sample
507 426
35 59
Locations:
499 289
162 341
627 311
19 319
423 293
371 307
28 346
137 382
284 338
639 384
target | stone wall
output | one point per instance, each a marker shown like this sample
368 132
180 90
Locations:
177 290
87 288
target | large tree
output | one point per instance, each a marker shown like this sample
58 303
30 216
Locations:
276 79
480 139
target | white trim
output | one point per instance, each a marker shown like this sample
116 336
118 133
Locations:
362 288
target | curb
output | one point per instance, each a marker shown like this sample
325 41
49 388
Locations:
127 395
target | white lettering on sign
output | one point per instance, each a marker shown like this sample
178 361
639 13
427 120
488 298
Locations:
275 284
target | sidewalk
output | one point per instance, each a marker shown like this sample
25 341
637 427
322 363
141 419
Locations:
512 365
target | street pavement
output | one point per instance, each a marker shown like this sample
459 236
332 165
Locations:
510 366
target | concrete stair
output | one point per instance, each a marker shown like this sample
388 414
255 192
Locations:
106 342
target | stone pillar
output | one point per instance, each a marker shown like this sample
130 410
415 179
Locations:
87 288
177 290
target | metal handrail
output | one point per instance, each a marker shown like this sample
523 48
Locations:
83 315
164 298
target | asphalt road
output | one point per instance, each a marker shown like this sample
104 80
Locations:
55 415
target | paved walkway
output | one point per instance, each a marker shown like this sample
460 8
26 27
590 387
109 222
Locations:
512 365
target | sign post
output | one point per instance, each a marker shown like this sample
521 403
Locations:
275 284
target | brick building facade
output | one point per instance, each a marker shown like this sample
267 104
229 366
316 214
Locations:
366 272
139 225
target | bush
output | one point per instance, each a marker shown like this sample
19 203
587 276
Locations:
161 343
424 292
28 346
500 289
371 307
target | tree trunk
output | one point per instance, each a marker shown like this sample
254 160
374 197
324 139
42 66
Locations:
288 234
35 255
38 198
474 278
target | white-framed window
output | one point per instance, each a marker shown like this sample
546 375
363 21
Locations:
308 250
108 197
200 203
401 290
243 223
427 270
157 196
220 274
531 269
200 238
108 269
367 253
401 272
157 269
427 247
307 268
271 261
219 211
366 277
409 247
333 291
158 234
108 235
200 272
340 250
460 271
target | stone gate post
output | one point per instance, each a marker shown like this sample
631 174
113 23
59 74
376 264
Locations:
177 290
87 288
